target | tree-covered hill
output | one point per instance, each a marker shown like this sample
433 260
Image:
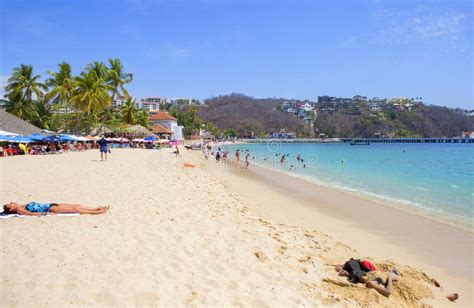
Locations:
264 116
249 115
420 121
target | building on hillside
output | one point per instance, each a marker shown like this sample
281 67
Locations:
151 103
118 101
359 98
467 135
166 125
283 134
306 107
379 101
374 107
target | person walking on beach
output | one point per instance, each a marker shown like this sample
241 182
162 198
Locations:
103 148
176 152
206 153
237 155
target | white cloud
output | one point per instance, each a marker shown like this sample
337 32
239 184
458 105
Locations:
171 50
3 83
400 27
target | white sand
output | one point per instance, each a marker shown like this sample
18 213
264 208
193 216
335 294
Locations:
174 236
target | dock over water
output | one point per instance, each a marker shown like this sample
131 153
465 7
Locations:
411 140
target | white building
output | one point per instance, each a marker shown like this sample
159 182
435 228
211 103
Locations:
166 125
150 103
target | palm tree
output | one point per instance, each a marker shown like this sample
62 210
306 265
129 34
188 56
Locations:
62 86
91 93
143 119
24 85
42 114
117 78
20 107
99 69
129 111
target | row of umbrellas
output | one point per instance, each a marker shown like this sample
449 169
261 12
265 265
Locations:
16 138
150 139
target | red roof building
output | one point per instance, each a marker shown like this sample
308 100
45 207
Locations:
161 116
160 129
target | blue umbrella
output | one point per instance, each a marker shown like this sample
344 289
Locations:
66 138
5 138
36 137
151 138
21 139
51 139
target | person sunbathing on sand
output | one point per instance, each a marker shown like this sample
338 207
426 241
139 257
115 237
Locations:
356 271
42 209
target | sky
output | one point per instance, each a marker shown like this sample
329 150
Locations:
293 49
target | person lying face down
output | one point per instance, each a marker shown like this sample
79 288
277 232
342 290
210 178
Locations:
42 209
356 271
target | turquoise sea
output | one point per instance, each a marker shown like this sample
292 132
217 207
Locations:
435 180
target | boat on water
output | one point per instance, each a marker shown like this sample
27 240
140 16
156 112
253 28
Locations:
360 142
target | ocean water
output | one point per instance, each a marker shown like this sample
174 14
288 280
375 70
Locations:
434 180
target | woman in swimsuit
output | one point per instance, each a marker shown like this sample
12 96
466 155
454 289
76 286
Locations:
42 209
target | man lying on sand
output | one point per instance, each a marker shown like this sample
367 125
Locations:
42 209
357 270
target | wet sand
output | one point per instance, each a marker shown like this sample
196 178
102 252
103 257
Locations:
374 229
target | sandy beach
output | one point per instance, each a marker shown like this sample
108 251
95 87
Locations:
210 235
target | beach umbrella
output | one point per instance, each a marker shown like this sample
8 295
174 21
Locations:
36 137
4 138
81 138
151 138
66 138
22 139
51 139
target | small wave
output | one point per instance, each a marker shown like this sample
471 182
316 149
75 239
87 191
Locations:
417 187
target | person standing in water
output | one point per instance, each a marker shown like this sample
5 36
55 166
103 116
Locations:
247 161
282 160
237 155
103 148
218 154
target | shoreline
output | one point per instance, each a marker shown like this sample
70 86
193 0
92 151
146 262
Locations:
407 206
442 250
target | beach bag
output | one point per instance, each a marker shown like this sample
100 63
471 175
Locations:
355 272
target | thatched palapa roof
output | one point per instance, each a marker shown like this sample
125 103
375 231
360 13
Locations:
11 123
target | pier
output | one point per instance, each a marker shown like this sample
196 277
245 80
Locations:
370 140
411 140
